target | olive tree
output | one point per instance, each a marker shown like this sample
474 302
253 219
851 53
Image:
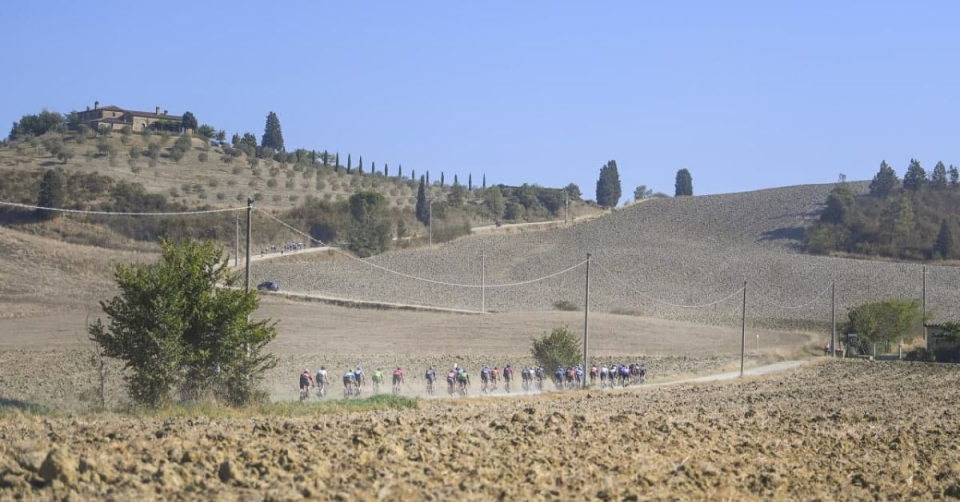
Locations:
559 347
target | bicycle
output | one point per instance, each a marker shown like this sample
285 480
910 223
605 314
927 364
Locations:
430 388
304 393
321 390
376 386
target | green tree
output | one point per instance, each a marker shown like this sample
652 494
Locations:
400 171
272 134
178 332
495 201
441 179
360 166
370 232
916 176
422 210
898 223
684 184
249 141
336 160
349 162
64 155
888 321
939 177
51 192
642 192
457 193
885 182
608 185
235 140
840 204
573 191
559 347
954 176
484 181
206 131
470 182
945 246
188 122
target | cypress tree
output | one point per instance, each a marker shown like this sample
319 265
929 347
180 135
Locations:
373 168
428 177
441 179
608 185
272 135
455 182
470 182
413 174
422 211
349 161
484 181
337 160
51 193
386 170
683 186
325 157
954 176
400 171
360 165
944 246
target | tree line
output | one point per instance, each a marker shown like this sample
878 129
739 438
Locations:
909 218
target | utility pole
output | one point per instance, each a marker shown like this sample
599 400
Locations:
430 222
586 322
483 281
924 301
743 329
246 272
236 252
833 319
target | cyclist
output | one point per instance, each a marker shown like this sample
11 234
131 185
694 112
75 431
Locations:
431 377
507 377
495 377
558 377
321 381
451 380
579 374
349 379
594 372
397 380
604 373
360 377
306 381
485 379
464 380
624 375
377 380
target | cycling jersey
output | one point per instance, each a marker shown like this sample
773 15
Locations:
431 375
451 376
321 376
304 380
377 376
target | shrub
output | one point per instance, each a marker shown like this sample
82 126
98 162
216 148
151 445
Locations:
565 305
202 157
177 330
272 183
920 354
560 347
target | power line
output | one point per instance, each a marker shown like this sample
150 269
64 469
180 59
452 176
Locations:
418 278
119 213
645 295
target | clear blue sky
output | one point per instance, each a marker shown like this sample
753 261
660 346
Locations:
744 94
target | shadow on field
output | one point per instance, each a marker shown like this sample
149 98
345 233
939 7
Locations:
18 405
794 237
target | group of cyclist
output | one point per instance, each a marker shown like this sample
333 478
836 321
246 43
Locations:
458 379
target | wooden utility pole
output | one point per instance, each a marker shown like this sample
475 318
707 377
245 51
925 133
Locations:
483 281
246 273
586 322
833 319
743 329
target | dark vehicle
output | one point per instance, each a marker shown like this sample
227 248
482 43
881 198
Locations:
268 286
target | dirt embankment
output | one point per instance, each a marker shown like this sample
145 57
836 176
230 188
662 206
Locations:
838 430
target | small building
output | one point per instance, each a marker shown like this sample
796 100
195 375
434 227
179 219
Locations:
943 340
113 117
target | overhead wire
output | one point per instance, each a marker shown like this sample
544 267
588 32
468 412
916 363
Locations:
415 277
664 302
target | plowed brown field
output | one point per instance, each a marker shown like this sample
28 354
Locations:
832 430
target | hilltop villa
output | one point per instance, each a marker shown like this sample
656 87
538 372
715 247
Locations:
113 117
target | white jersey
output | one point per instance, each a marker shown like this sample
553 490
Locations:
321 375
